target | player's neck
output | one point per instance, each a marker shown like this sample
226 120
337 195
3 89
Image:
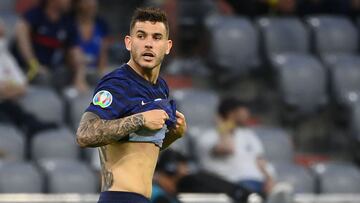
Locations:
150 75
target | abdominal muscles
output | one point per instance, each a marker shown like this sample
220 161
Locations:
128 167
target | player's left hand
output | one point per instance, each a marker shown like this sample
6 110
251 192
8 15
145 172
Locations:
180 126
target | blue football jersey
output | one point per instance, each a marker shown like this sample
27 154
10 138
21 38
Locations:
124 92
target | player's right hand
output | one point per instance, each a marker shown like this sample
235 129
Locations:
155 119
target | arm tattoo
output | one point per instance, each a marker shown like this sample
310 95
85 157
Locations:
95 132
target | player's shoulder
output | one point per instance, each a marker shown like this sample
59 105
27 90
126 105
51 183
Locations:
119 75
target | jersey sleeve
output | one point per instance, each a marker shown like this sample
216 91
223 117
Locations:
110 99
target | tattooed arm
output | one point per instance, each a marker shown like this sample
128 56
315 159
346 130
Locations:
94 131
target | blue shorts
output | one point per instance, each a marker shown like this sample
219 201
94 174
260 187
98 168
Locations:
121 197
253 185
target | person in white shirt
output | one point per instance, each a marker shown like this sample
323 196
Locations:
12 80
13 85
233 151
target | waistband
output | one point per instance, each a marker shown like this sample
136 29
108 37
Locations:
122 197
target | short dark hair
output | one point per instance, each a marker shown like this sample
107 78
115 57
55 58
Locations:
151 14
229 104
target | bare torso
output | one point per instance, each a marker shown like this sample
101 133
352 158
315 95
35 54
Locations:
128 166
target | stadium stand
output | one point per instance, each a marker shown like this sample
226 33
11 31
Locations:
332 35
271 138
54 144
297 176
20 177
44 103
337 177
233 47
68 176
345 83
199 105
76 105
12 143
291 72
282 35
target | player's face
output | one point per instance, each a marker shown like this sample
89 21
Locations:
148 44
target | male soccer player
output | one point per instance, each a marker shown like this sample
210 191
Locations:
131 117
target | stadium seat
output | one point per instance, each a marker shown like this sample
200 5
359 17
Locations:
44 103
92 157
299 177
69 176
301 81
12 143
332 35
233 46
345 83
281 35
59 143
271 139
338 177
76 105
187 66
9 18
199 106
355 121
7 5
20 177
190 23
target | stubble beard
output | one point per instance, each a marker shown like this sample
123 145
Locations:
137 59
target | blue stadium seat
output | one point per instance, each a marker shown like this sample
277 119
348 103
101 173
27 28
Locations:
12 143
69 176
338 177
20 177
58 143
199 106
271 139
44 103
299 177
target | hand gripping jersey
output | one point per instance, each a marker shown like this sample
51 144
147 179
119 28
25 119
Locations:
123 92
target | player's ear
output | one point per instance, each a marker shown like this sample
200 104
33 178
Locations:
169 45
127 41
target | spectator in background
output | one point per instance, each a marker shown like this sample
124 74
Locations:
255 8
93 35
233 152
13 85
44 36
171 167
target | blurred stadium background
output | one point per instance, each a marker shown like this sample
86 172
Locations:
296 61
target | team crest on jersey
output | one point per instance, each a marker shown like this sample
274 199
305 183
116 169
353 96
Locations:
103 99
